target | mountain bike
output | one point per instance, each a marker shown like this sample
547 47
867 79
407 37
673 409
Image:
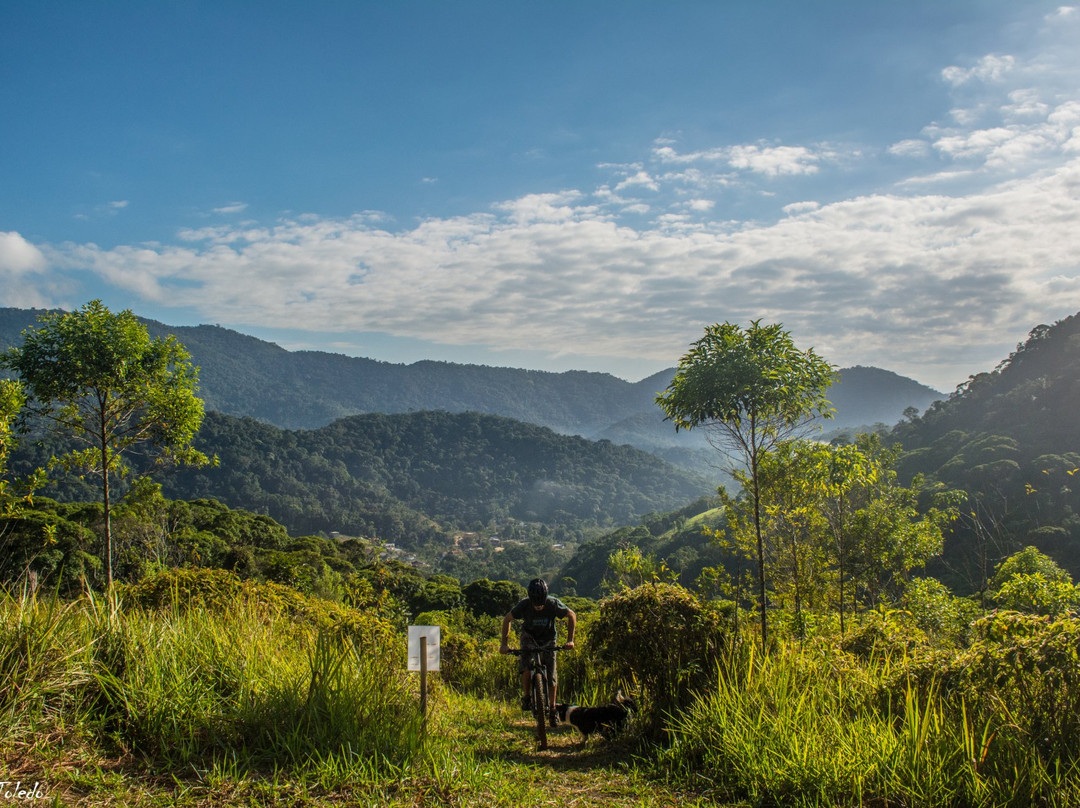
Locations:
539 684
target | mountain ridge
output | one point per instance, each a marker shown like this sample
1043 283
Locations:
242 375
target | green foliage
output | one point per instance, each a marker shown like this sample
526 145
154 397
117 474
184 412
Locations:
15 494
1018 686
755 383
752 390
439 593
630 568
837 530
993 725
99 377
492 598
1034 593
220 591
247 685
660 641
1031 581
935 610
884 635
1008 439
50 550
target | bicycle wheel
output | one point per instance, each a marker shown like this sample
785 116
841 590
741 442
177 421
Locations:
539 703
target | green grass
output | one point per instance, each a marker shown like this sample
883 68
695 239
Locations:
795 729
111 705
107 705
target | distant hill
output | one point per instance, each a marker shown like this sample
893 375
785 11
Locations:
409 478
1010 439
244 376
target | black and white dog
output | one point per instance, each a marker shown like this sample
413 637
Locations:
606 719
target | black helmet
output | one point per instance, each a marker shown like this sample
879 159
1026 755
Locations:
538 591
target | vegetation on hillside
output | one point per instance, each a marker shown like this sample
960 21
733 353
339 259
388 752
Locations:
413 480
1009 440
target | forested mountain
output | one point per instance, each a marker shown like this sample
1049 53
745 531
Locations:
408 478
241 375
1011 440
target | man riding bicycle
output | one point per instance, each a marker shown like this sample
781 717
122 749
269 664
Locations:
538 613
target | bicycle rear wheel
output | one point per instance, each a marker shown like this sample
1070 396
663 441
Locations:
539 703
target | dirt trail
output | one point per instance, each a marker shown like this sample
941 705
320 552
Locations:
570 773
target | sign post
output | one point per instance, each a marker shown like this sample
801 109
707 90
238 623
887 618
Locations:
424 655
423 687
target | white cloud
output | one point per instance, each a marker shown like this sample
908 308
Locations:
774 161
640 179
800 207
990 68
910 148
23 270
18 256
232 207
756 158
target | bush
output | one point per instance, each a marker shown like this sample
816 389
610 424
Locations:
661 639
884 635
1019 686
221 592
934 610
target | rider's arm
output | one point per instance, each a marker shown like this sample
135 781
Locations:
504 648
571 627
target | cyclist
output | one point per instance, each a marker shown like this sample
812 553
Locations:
538 613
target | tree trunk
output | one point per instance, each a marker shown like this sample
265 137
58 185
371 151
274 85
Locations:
105 501
757 535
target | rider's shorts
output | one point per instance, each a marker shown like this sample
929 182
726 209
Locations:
528 641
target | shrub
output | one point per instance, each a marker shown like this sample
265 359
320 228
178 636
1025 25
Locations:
934 610
883 635
221 592
661 638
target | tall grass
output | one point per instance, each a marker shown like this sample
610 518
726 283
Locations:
202 689
797 728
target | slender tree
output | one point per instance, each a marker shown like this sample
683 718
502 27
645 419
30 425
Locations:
749 390
101 378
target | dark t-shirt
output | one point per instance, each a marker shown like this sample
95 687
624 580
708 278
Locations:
540 623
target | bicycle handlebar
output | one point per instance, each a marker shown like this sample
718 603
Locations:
543 649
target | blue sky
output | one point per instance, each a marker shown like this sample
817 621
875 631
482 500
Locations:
557 185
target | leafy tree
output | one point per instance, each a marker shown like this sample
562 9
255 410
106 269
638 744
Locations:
847 475
1031 581
493 598
12 399
750 391
631 568
793 482
101 378
438 593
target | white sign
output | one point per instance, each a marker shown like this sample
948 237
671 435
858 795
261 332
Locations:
432 634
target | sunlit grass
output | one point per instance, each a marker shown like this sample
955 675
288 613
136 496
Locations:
196 706
789 729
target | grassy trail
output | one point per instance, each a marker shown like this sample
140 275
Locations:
481 754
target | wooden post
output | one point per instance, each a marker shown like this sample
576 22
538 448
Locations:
423 687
